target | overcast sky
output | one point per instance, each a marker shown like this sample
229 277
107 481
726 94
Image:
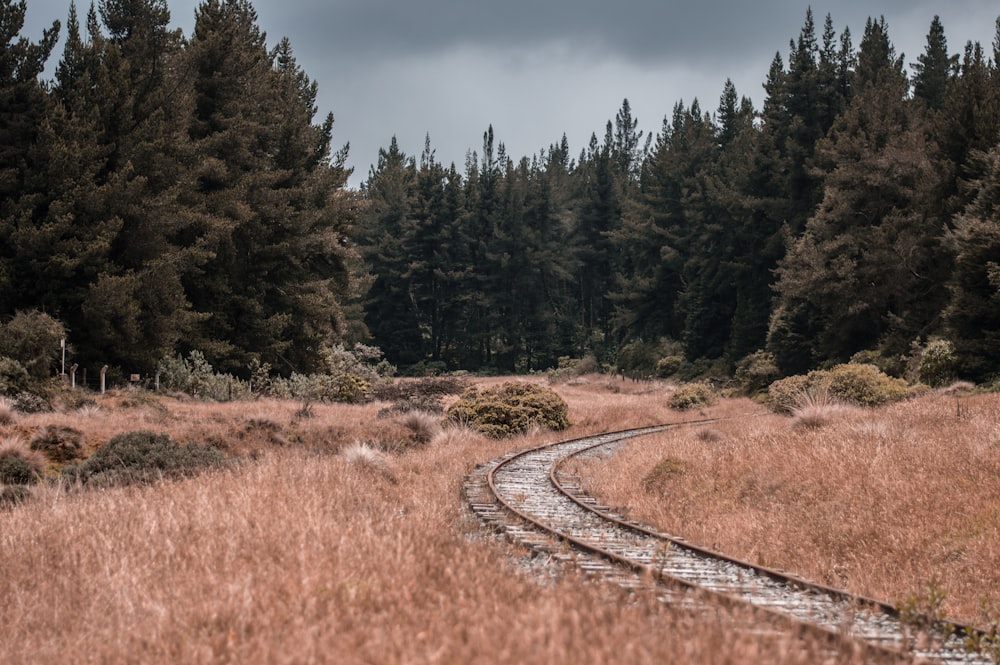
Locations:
536 69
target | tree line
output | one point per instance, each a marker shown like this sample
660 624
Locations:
853 213
167 193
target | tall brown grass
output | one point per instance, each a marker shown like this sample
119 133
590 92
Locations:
303 554
882 502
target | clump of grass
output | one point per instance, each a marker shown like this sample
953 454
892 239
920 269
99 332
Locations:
19 464
143 456
815 408
59 443
692 396
6 411
369 459
423 426
709 435
660 475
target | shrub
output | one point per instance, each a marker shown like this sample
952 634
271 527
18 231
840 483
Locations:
859 385
26 402
863 385
13 376
756 371
60 444
423 426
194 375
33 339
891 365
19 464
783 395
509 409
142 456
938 363
692 396
669 365
415 389
815 408
665 470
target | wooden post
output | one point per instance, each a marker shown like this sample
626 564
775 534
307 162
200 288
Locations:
104 371
72 375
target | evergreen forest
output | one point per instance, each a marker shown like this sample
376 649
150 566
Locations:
168 193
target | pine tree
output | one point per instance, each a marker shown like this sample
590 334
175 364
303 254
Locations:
973 314
23 104
270 217
934 68
864 274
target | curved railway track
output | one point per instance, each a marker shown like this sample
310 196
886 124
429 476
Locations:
524 496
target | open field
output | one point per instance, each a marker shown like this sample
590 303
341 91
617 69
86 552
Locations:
311 550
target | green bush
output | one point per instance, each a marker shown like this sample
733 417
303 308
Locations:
938 363
669 365
19 465
860 385
692 396
13 376
784 395
757 371
194 375
143 456
509 409
33 339
863 385
60 444
26 402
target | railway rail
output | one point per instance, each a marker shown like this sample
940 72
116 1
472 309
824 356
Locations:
525 496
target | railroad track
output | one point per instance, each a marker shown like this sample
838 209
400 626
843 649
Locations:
525 496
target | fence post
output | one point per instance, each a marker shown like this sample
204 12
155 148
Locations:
104 371
72 375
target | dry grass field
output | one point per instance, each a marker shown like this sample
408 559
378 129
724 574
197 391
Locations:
335 539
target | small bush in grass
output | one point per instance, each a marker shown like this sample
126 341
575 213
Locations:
783 395
938 364
421 403
668 366
863 385
756 371
815 408
692 396
665 470
422 425
13 376
26 402
59 443
859 385
416 389
19 464
143 456
509 409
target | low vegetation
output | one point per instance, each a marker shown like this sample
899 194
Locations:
329 538
510 409
692 396
885 502
850 383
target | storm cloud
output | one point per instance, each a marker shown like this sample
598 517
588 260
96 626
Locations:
538 69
